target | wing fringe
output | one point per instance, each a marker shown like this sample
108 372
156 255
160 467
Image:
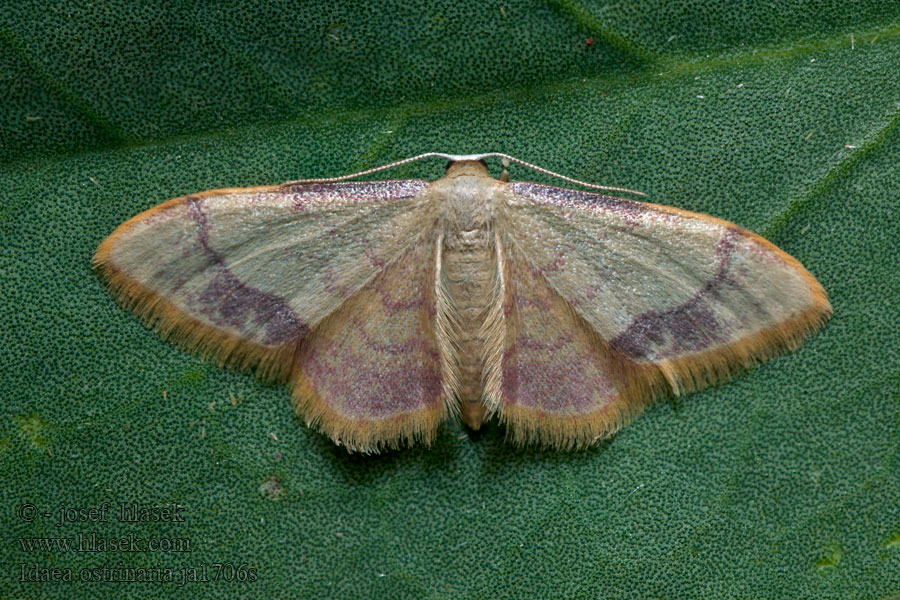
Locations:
644 382
226 349
279 364
365 436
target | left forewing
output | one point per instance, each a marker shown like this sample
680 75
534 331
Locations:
245 273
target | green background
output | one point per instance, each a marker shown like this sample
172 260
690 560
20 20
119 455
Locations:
781 117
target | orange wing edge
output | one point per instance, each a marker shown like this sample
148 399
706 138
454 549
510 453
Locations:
227 349
640 383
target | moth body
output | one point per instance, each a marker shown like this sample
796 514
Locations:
467 283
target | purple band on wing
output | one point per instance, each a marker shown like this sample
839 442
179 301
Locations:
690 327
366 391
229 302
551 377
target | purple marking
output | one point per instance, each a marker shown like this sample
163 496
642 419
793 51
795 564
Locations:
532 344
228 301
364 390
541 303
393 306
311 195
764 252
519 299
556 265
330 279
411 346
692 325
589 294
549 384
404 290
370 254
630 210
366 377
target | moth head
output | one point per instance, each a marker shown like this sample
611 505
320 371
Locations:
461 168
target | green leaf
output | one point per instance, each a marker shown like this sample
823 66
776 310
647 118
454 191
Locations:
781 117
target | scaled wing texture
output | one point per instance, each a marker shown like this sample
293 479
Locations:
290 281
671 300
596 305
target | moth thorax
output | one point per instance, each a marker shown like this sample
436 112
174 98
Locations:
466 197
468 240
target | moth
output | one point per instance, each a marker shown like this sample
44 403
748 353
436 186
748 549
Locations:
392 306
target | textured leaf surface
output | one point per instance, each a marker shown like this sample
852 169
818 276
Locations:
782 484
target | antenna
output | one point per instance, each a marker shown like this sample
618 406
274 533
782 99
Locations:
461 157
